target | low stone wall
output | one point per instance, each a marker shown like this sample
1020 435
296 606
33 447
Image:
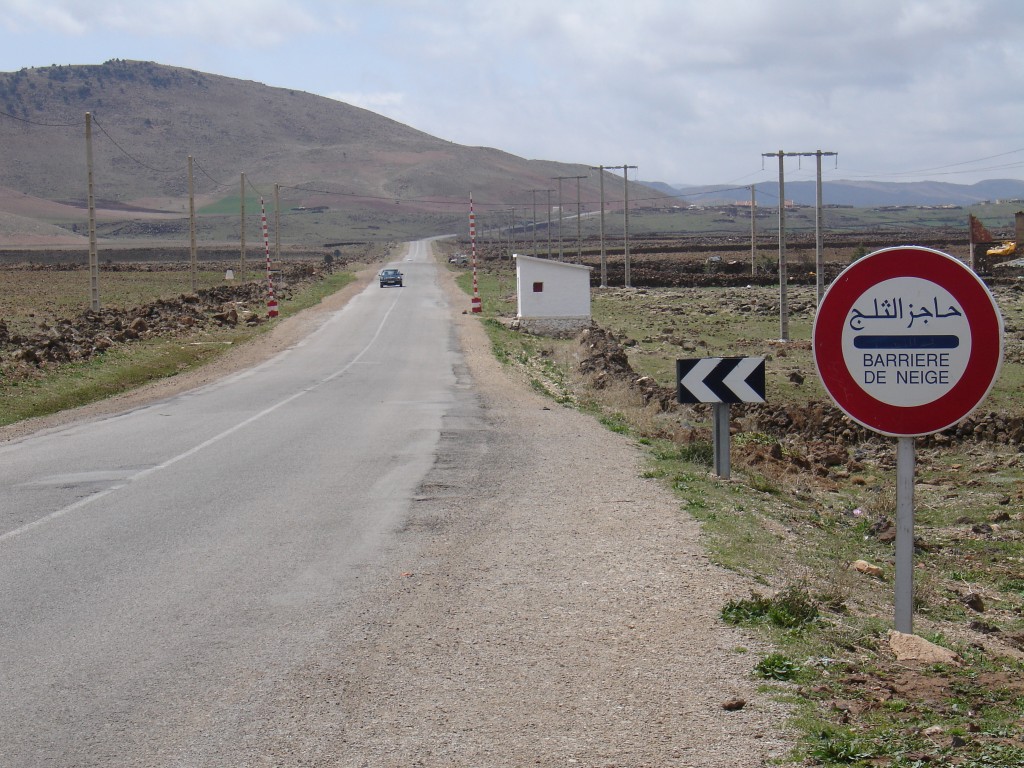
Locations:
552 326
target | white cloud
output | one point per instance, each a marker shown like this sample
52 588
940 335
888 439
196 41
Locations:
235 23
690 90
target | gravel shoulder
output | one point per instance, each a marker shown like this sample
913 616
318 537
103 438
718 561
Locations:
543 605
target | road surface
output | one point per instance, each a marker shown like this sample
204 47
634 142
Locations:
377 549
160 568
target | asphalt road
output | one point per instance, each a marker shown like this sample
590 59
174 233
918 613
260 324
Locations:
162 569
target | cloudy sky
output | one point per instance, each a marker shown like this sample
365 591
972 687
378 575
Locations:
690 91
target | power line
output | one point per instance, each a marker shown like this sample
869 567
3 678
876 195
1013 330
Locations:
220 184
36 122
128 154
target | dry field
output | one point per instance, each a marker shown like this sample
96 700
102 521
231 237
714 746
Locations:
56 353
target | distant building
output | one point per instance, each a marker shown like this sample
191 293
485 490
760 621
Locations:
553 297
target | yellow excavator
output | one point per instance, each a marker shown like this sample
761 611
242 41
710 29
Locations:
1007 248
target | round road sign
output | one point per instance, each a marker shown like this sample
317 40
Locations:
908 341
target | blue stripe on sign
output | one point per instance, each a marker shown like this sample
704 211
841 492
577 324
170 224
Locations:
906 342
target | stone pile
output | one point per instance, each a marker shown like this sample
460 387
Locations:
94 332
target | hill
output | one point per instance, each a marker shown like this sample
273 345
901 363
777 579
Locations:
340 161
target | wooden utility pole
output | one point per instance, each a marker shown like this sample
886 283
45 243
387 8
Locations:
241 260
94 260
534 193
511 233
192 226
783 306
549 191
560 178
753 230
604 257
819 259
277 224
579 224
625 223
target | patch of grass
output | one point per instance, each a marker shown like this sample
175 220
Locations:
840 747
777 666
101 377
699 452
763 483
615 422
312 294
791 608
1013 585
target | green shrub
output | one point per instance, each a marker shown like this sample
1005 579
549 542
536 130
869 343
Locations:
776 666
789 609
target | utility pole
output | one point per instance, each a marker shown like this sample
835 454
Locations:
549 191
579 222
241 261
94 259
512 236
819 257
625 224
783 306
511 230
753 230
604 257
560 209
192 226
534 192
819 261
559 180
277 224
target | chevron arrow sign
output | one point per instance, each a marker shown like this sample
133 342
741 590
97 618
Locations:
720 380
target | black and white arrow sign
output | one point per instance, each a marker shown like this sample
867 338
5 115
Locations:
720 380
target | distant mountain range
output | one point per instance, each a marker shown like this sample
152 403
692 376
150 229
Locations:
859 194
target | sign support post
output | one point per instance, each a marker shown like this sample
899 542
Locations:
721 439
906 464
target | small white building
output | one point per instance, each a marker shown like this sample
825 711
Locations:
553 296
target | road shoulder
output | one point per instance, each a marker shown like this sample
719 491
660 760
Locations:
547 605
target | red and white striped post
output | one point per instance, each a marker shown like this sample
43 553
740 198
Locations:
271 298
472 242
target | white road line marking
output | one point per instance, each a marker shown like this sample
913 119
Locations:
83 502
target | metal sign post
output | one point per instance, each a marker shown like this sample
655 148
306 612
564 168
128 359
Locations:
721 439
905 468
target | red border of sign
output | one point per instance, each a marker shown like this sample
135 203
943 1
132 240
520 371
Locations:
983 318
